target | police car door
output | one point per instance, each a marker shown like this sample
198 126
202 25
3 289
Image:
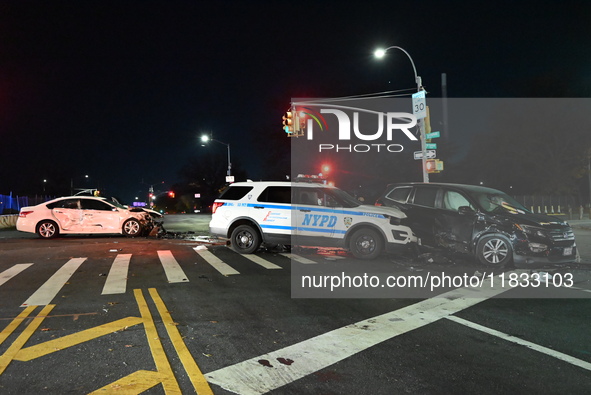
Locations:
313 220
272 211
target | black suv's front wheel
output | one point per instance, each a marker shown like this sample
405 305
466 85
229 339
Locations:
245 239
494 251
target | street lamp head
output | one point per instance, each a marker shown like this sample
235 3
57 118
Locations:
379 53
204 138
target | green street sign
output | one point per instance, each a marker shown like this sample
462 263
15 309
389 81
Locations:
433 135
431 146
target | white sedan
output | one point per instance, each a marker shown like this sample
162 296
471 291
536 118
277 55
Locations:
82 215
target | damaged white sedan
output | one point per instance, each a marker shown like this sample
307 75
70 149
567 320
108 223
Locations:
83 215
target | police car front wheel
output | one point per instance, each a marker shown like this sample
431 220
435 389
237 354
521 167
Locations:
245 239
366 244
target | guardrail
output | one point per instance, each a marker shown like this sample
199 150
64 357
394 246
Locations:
8 221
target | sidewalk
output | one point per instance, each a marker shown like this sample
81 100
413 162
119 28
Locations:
584 223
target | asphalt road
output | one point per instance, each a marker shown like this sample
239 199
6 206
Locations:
81 314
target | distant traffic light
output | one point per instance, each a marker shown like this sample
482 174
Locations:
288 122
170 194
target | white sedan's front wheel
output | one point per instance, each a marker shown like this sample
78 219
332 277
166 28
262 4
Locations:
132 227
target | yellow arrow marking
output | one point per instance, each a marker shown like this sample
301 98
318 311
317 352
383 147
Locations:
15 347
133 384
39 350
197 379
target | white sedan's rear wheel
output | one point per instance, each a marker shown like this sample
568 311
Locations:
47 229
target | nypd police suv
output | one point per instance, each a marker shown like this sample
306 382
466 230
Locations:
306 214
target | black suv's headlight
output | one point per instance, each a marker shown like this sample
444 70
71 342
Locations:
532 230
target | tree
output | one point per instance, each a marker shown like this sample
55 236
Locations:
207 173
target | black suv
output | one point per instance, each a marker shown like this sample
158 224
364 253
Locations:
484 222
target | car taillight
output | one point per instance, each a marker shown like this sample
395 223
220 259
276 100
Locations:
23 214
215 206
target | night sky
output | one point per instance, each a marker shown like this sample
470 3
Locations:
122 90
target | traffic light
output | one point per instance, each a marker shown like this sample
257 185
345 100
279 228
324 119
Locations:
434 165
171 194
288 122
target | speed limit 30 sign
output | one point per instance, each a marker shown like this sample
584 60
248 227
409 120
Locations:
419 105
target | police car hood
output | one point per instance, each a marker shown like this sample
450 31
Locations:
392 211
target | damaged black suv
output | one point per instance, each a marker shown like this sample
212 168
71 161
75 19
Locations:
483 222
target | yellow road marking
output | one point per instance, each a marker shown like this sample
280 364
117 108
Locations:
39 350
15 347
135 383
15 323
197 379
169 381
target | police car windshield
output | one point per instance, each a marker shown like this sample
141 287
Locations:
342 198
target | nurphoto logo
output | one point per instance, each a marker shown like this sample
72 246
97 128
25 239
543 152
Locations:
374 128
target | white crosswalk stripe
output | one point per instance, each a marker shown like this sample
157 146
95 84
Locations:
117 279
13 271
216 262
45 294
262 262
173 270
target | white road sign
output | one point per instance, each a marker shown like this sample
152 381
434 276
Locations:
419 104
431 154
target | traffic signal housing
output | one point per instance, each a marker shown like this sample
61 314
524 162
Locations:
288 122
434 165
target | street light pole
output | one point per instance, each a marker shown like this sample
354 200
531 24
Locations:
72 184
205 138
421 123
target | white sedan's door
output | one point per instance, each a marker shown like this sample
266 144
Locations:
100 217
69 215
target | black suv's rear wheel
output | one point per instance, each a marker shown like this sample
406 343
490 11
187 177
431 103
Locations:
245 239
494 251
366 244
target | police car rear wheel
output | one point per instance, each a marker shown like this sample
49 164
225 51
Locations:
366 244
245 239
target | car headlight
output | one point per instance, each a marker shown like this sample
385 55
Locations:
532 230
537 247
393 220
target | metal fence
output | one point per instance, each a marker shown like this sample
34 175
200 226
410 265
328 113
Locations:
10 204
551 205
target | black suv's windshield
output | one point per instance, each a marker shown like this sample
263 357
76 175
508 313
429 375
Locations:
498 203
